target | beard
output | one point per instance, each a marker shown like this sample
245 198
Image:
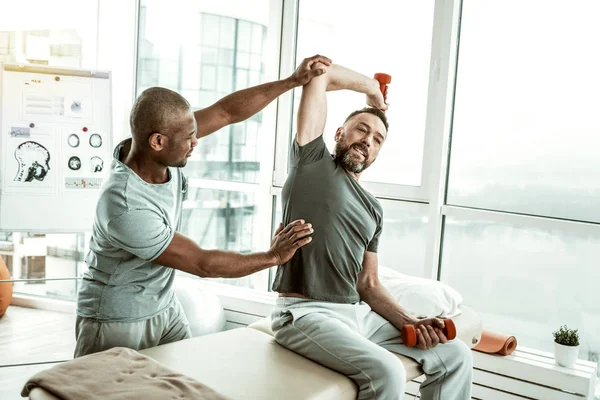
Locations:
349 162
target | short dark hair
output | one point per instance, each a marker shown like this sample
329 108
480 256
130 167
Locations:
152 111
371 110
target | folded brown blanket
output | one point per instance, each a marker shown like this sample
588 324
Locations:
117 374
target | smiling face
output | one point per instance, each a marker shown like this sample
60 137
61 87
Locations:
358 142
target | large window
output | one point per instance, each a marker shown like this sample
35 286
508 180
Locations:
403 241
526 280
400 45
526 126
224 219
223 49
521 236
47 36
220 54
45 264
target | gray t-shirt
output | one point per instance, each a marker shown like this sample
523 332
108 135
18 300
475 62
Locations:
347 222
135 222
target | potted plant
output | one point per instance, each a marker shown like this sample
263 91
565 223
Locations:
566 346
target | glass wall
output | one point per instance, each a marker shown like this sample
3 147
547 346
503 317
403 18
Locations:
349 38
223 54
524 143
223 50
66 39
46 264
222 219
525 135
526 280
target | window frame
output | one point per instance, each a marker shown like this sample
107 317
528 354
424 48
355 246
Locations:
285 118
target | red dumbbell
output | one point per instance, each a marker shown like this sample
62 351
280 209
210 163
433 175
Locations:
384 80
409 332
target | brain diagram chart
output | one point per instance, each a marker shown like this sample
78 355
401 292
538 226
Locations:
55 141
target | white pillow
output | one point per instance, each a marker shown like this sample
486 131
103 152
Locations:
201 307
419 296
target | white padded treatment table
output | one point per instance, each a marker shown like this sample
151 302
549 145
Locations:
247 363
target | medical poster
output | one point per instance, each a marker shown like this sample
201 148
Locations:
55 146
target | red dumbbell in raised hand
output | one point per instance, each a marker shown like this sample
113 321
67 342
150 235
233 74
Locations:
384 80
409 333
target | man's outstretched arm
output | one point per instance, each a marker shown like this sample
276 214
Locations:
312 113
373 293
184 254
243 104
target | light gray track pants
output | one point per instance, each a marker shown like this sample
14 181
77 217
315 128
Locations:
356 341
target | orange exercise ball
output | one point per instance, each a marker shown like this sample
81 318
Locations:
6 288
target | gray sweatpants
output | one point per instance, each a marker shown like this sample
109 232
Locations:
356 341
169 326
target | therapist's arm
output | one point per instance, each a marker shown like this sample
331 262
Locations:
184 254
243 104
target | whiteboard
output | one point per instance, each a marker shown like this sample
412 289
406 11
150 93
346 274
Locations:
55 147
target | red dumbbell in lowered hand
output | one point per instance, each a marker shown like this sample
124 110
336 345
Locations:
409 333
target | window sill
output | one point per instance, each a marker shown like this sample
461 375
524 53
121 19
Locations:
232 298
43 303
239 299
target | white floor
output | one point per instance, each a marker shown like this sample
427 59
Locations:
36 338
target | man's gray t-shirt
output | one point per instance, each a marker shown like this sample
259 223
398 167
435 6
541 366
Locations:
347 222
135 222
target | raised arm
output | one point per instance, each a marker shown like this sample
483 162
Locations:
312 112
243 104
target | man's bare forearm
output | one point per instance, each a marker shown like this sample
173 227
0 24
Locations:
243 104
312 112
380 301
339 77
228 264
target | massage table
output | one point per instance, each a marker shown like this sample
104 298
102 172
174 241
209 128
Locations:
247 363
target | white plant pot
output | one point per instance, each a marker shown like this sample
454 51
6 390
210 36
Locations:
565 356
